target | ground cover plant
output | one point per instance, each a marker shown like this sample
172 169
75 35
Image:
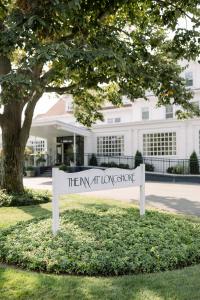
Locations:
28 197
18 284
103 240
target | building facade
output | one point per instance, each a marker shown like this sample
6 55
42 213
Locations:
139 125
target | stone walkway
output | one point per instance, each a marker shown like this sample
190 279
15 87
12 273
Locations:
181 198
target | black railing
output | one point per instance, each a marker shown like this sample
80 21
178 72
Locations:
161 165
153 164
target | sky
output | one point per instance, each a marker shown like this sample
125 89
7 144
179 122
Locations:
45 103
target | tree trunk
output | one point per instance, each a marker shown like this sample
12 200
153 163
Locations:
13 147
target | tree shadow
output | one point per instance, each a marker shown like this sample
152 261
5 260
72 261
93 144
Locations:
46 183
166 285
179 205
101 206
35 211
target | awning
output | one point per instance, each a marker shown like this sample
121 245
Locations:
55 128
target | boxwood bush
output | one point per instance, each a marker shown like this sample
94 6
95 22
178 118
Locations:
103 240
177 169
29 197
194 163
138 159
114 165
149 167
93 160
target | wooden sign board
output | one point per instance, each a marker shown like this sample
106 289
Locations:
95 180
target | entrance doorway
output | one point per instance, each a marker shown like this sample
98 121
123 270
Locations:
65 150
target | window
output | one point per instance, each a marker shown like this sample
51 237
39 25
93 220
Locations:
110 145
113 120
110 121
157 144
188 79
169 112
195 104
145 113
117 120
125 100
38 145
69 105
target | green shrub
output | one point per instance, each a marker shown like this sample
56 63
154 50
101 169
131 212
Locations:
149 167
102 240
64 168
177 169
41 159
30 168
138 159
104 165
29 197
123 166
170 170
114 165
93 160
111 164
194 163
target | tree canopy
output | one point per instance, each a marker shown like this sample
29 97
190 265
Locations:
95 50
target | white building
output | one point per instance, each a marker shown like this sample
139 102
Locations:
38 145
140 125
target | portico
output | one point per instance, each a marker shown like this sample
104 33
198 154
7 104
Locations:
66 143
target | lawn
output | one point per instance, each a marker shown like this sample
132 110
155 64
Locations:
18 284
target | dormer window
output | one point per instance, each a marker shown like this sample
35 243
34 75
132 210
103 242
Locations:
189 78
69 105
113 120
169 114
145 113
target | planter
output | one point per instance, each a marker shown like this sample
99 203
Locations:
30 173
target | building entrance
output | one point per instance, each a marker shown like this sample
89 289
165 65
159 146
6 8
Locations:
68 152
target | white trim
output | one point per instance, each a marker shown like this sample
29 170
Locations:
95 180
62 125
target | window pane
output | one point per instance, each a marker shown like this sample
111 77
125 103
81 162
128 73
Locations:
188 79
145 113
169 111
111 145
159 144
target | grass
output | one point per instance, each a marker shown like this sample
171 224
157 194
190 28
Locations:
17 284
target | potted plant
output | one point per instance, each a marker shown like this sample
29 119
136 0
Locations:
41 161
30 171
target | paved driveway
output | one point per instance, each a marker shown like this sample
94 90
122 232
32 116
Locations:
182 198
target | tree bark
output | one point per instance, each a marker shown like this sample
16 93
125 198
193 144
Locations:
13 147
14 138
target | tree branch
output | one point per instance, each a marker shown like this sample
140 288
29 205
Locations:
60 90
29 116
111 8
176 7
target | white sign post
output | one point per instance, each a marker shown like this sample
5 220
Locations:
95 180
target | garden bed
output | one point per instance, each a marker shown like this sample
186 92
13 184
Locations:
103 240
28 197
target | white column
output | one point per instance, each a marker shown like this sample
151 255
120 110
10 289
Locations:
34 153
142 190
55 204
85 151
74 149
128 143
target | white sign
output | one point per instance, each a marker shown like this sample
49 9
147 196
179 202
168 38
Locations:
95 180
